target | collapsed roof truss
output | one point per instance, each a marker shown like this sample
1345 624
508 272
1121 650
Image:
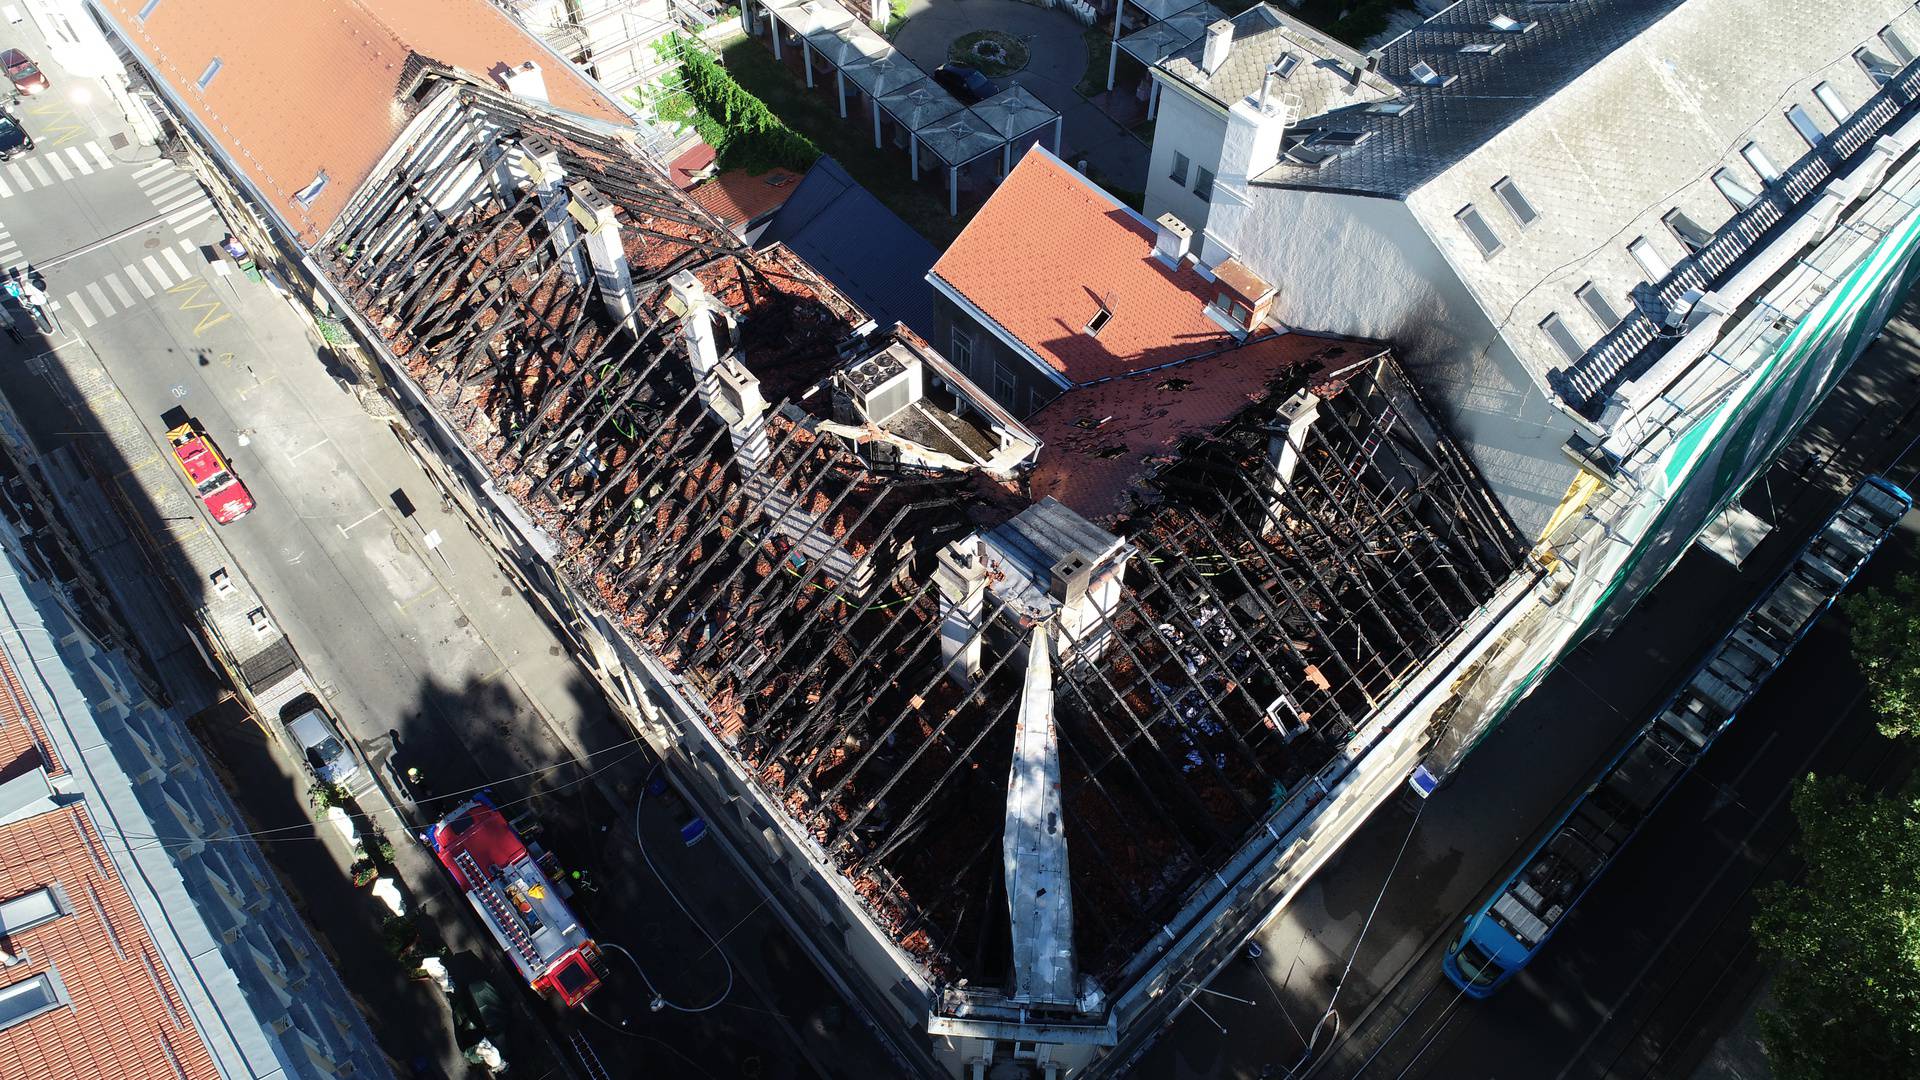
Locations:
1256 624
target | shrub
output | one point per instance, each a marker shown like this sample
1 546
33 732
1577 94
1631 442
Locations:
743 132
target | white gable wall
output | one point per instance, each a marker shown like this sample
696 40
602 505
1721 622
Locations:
1364 266
1184 126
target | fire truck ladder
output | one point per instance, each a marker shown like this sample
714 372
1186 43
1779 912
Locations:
482 886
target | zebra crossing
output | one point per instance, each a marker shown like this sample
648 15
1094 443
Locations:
9 249
175 193
153 274
53 165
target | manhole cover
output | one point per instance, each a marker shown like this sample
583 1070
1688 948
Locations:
118 141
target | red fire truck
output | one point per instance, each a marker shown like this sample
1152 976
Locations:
517 901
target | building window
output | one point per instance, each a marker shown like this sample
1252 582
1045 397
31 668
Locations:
1179 173
206 76
1523 212
1237 312
1477 228
146 9
1829 99
1556 330
1035 401
1880 70
1596 304
306 195
28 998
1684 229
24 912
1760 162
1003 385
1424 74
1737 193
1203 183
1482 48
1804 124
962 350
1896 45
1101 316
1651 261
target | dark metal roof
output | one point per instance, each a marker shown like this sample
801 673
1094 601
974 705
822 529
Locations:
1483 95
854 241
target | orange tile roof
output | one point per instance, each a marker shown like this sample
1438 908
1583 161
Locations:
127 1019
695 159
739 198
309 86
1049 248
1103 441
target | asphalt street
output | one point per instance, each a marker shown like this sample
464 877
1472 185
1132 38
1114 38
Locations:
421 645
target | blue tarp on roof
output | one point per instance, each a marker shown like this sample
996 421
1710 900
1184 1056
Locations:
854 241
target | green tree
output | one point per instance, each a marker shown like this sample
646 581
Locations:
1886 645
1846 938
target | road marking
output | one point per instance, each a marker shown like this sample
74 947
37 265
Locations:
417 597
308 450
151 166
154 269
178 266
40 174
20 177
100 297
191 290
5 191
99 155
59 166
344 529
189 246
119 290
79 161
74 304
138 281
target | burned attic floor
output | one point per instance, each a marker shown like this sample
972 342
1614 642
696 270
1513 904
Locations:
855 609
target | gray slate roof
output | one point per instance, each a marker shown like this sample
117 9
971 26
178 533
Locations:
1486 94
854 241
1324 80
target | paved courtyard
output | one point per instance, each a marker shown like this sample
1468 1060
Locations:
1058 59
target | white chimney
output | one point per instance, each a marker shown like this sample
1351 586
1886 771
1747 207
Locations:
527 82
1219 44
1288 436
1253 140
1171 238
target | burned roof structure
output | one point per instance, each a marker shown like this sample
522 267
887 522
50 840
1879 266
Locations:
1010 739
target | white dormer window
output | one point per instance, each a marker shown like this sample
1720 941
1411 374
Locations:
1737 193
1478 230
1803 123
1099 321
1424 74
1482 48
1654 264
1879 69
1595 302
1507 24
1523 212
1896 45
1390 108
1556 330
1758 160
1829 99
1285 65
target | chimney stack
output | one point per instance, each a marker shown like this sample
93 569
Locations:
1289 437
604 246
961 575
1171 238
527 82
1219 44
